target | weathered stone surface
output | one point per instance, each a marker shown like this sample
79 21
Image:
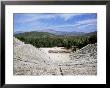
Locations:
29 60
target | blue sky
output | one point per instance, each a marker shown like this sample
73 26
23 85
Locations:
79 22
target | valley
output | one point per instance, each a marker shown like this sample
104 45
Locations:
54 58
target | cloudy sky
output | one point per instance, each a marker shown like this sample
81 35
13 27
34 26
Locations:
79 22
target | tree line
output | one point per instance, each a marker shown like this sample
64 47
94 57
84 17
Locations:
67 42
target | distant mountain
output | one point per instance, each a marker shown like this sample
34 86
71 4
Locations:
48 30
17 32
35 34
91 33
51 32
43 34
63 33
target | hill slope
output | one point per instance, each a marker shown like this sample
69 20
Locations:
29 60
62 33
34 35
44 34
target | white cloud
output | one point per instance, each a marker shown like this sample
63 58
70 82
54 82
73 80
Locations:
68 16
32 21
89 21
80 24
63 25
34 17
86 25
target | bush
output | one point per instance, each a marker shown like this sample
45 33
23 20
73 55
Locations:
66 42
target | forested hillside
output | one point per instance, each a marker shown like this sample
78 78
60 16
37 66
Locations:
45 39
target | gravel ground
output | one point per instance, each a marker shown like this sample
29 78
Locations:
29 60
